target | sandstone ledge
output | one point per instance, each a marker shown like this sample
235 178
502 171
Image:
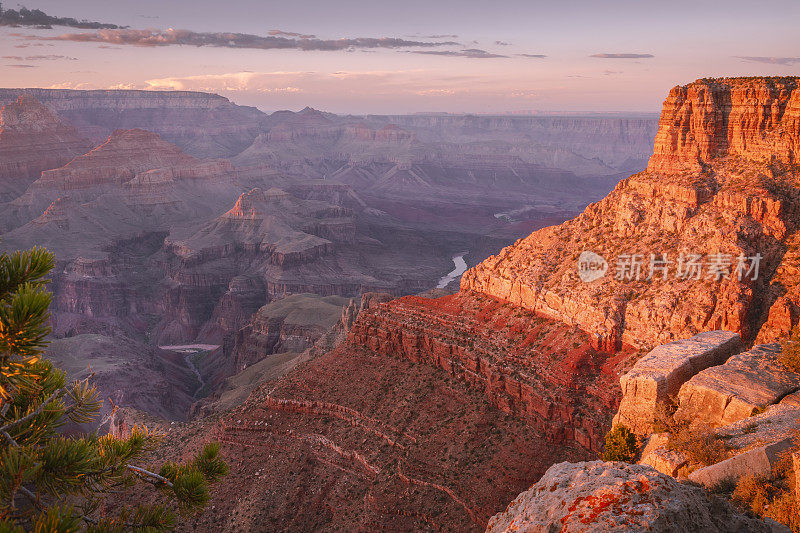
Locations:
745 384
660 374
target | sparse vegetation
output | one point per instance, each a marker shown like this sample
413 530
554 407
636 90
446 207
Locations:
698 443
621 445
51 482
770 496
790 353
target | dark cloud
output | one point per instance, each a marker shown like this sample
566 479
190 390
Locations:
473 53
38 19
22 66
533 56
623 56
50 57
282 33
173 37
771 60
502 43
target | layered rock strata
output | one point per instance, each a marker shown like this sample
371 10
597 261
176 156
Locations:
721 188
560 386
203 124
33 139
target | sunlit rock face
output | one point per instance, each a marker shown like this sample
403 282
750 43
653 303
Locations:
722 180
757 119
33 139
601 496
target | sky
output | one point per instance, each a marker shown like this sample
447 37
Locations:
356 56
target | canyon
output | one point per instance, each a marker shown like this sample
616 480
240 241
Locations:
348 391
382 420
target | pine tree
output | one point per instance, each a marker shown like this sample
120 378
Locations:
51 482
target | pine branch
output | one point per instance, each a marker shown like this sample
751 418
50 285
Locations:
34 414
146 473
9 438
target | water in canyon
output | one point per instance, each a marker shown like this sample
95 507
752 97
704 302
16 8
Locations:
460 268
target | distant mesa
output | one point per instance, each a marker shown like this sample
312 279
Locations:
33 139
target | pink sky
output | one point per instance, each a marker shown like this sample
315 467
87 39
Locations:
599 56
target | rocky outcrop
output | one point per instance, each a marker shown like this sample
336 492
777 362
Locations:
659 375
33 139
740 208
506 354
755 119
292 324
125 154
746 384
759 461
615 497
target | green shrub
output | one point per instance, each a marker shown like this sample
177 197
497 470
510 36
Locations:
621 445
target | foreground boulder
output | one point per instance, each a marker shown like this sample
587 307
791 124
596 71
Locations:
609 496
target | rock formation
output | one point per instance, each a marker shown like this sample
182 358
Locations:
127 373
542 372
658 376
682 239
202 124
746 384
33 139
615 497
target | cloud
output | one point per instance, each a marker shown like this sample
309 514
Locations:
50 57
287 83
73 86
611 72
172 37
26 45
623 56
39 19
771 60
502 43
439 36
22 66
292 34
533 56
473 53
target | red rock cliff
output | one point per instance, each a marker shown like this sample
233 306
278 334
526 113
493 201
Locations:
722 180
754 118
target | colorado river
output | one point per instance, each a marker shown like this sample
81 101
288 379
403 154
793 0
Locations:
189 350
460 268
